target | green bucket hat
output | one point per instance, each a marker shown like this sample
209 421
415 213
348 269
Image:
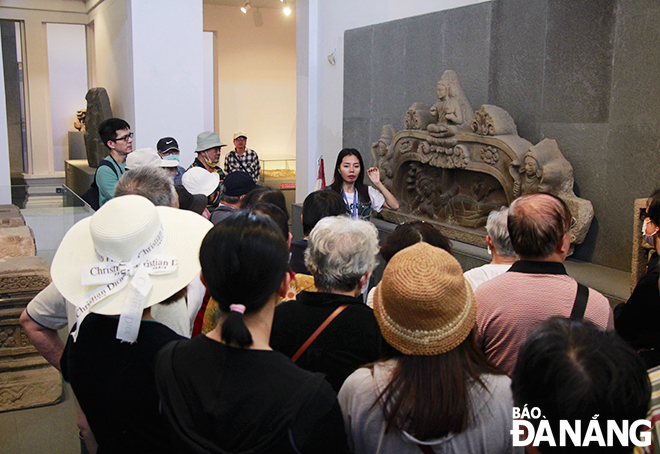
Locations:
208 139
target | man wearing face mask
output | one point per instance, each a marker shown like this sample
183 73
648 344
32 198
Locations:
637 320
208 156
168 149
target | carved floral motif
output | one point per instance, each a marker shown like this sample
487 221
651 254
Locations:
404 146
490 155
23 282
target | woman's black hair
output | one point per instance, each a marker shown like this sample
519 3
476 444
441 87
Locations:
410 233
572 370
318 205
430 396
275 213
653 210
266 194
337 180
233 266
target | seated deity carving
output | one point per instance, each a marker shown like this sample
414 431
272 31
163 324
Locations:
452 111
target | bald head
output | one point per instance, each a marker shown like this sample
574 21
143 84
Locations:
537 223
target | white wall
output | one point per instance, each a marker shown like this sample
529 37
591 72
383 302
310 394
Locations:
320 30
209 82
5 174
113 55
256 72
168 77
67 74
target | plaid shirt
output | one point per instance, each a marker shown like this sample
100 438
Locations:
248 163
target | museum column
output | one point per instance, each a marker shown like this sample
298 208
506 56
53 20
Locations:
167 42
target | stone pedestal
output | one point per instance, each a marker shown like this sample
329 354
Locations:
11 219
17 242
26 378
640 250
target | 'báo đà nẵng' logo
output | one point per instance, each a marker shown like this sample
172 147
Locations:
594 432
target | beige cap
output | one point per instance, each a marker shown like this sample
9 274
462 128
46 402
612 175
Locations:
240 134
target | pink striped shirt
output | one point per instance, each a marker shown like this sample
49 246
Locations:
510 305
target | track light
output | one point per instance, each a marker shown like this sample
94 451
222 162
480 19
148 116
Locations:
246 7
286 9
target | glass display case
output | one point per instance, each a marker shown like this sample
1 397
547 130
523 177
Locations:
280 173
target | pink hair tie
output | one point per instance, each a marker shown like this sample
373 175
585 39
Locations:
237 308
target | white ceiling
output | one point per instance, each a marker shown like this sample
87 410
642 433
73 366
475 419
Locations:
254 3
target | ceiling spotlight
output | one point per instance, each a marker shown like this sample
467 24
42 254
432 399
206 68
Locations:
245 7
286 9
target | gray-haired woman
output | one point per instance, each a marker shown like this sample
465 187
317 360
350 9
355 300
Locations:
341 256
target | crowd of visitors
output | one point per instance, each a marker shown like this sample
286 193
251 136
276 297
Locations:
292 359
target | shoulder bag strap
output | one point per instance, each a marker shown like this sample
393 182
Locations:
318 331
580 304
426 449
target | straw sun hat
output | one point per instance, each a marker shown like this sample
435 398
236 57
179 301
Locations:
120 230
423 304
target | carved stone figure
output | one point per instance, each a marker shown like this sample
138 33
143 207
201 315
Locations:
466 164
382 152
98 109
543 169
452 111
79 124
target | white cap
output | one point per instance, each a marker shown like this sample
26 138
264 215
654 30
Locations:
147 157
200 181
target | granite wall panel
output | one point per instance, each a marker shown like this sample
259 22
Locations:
582 72
578 61
517 62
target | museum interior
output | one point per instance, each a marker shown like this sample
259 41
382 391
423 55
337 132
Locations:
544 95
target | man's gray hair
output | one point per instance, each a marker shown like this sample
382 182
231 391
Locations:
230 199
497 229
340 251
154 183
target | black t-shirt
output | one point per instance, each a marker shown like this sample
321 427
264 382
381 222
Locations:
350 341
114 383
221 399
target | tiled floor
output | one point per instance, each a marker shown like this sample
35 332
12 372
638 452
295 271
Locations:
43 430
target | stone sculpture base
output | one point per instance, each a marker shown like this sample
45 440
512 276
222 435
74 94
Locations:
26 378
17 242
454 232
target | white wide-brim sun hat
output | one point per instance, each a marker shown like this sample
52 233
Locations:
119 229
200 181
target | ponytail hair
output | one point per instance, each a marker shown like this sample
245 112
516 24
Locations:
236 274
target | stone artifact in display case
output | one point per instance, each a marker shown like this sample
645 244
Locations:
453 166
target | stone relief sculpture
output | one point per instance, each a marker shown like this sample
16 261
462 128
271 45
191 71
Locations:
453 166
98 109
79 124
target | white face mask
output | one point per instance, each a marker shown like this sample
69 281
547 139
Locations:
650 239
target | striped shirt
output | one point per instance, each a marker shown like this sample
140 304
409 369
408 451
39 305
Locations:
512 304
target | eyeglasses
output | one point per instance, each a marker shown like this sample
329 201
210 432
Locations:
126 137
240 138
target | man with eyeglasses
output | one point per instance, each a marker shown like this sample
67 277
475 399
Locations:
116 135
242 159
